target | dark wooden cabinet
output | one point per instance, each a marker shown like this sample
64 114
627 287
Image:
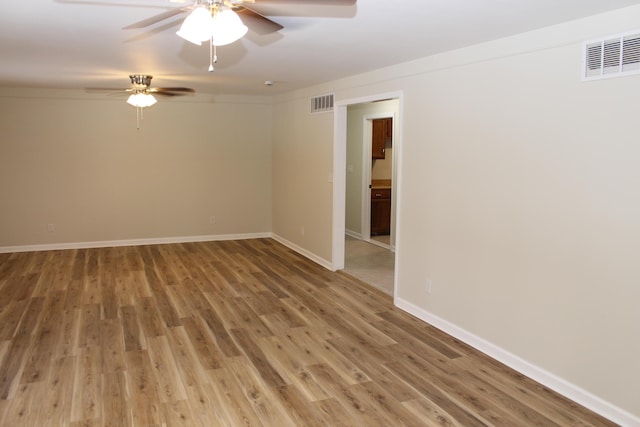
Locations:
380 211
378 138
381 134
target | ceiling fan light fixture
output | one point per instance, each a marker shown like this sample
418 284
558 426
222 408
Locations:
196 27
141 100
227 28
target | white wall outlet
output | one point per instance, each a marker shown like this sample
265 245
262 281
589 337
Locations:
212 219
428 286
51 228
302 231
350 168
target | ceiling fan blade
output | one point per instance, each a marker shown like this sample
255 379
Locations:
256 22
110 3
168 94
110 92
312 2
172 91
175 89
103 89
155 19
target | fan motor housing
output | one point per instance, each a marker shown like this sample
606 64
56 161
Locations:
140 80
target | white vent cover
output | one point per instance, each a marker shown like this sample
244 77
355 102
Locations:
613 56
322 103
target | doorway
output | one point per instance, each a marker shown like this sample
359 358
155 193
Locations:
342 126
378 203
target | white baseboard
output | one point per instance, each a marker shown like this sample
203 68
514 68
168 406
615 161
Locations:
132 242
353 234
166 240
313 257
559 385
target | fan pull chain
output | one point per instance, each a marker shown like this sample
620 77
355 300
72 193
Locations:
138 117
213 55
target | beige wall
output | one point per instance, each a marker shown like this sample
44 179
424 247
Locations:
79 163
383 168
302 177
519 199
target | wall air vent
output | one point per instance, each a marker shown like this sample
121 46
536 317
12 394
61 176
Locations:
613 56
322 103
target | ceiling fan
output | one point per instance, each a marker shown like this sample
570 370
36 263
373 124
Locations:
252 19
141 94
210 26
221 22
140 88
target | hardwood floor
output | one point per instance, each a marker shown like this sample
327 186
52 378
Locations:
236 333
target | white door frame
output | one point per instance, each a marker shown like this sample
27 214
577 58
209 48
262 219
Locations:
367 165
340 170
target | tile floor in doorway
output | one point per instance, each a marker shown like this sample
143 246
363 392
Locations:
386 239
370 263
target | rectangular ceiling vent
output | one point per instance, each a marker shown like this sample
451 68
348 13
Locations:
614 56
322 103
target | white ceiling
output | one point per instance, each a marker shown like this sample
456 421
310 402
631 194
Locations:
80 43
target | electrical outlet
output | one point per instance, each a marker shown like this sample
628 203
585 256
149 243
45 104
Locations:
302 231
51 228
212 219
428 286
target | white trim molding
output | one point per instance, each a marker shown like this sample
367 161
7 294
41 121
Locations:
353 234
340 167
132 242
313 257
559 385
166 240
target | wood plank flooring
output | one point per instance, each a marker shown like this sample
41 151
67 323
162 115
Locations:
236 333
